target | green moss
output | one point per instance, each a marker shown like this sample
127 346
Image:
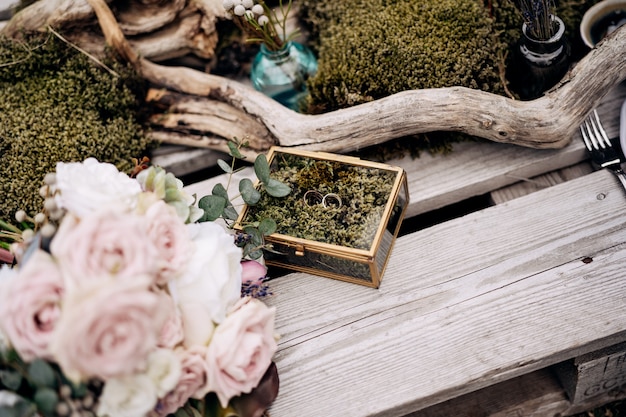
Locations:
368 50
372 49
58 106
364 193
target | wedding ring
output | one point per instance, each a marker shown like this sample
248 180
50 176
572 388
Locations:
332 200
312 198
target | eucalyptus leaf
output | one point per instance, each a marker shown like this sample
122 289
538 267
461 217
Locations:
225 166
252 251
255 235
46 400
213 207
267 227
249 194
230 213
262 169
11 379
234 151
41 374
219 190
276 188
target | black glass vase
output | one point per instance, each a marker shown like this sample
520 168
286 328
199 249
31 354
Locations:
539 65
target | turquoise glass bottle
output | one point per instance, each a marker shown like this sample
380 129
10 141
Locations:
282 74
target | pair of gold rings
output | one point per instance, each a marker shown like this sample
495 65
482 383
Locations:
313 197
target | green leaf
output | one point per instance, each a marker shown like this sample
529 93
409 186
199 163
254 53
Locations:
249 194
10 379
225 166
230 213
262 169
213 207
234 151
252 251
256 238
219 190
46 400
267 227
276 188
41 374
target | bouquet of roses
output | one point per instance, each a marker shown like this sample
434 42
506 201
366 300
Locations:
122 304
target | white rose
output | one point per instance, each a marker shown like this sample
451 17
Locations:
211 283
128 396
164 369
91 185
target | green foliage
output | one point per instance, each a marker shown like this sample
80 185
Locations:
39 387
57 105
218 204
364 193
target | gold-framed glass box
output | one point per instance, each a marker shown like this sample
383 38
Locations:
339 221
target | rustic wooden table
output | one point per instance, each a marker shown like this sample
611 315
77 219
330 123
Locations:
473 313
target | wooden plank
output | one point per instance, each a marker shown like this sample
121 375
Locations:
537 394
594 373
464 304
182 160
527 186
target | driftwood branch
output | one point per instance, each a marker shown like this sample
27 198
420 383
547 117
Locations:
201 109
157 29
547 122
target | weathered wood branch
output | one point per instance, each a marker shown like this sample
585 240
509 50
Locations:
157 29
547 122
209 107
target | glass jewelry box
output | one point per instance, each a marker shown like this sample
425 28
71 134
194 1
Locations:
339 221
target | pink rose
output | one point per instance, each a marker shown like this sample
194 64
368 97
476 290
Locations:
107 330
192 383
253 272
241 350
104 244
172 331
170 236
30 307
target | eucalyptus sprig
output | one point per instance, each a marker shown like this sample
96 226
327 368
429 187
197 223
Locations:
219 204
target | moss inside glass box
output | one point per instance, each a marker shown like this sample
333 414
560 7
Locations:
340 219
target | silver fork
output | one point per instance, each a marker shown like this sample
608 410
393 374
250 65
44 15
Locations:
602 151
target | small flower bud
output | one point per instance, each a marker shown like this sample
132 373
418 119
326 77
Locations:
50 178
40 218
50 204
239 10
56 214
247 3
44 191
257 9
263 20
62 409
20 216
27 235
65 391
228 4
249 14
88 401
48 230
